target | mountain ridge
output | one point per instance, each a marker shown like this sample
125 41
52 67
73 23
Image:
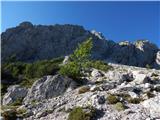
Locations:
30 43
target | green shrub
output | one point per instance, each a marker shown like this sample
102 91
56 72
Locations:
41 68
125 96
28 82
79 114
72 70
135 100
9 115
4 88
11 71
112 99
119 106
150 95
21 111
33 102
148 66
83 89
154 75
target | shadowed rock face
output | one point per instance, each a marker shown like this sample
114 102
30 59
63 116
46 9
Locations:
36 42
29 43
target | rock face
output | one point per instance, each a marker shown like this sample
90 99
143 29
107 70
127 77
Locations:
136 54
35 42
28 42
48 87
14 92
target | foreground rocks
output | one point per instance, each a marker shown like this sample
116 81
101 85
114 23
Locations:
14 93
123 93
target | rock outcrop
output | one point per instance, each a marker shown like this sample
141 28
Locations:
48 87
28 42
14 93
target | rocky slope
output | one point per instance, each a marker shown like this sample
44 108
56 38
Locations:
28 42
122 93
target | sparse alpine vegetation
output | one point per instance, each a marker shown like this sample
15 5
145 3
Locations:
26 74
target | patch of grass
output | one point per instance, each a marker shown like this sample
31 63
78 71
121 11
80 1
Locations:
49 111
83 89
154 75
79 113
150 95
135 100
33 102
3 107
28 82
125 96
157 89
98 64
119 106
21 111
112 99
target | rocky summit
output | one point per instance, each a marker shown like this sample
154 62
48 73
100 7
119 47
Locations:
28 42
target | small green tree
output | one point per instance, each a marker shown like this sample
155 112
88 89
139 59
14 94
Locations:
77 60
83 52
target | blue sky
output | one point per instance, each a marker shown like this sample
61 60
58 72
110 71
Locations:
118 21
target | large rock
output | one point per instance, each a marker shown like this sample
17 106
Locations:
119 77
96 73
48 87
14 92
153 105
66 60
140 77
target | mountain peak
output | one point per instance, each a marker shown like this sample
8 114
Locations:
30 43
26 24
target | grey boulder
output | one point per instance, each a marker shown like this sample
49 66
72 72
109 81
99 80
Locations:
48 87
14 92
